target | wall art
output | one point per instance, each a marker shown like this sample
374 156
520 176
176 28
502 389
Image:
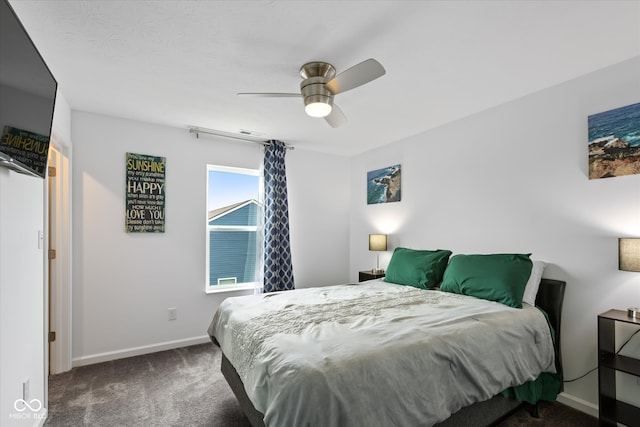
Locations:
384 185
145 202
614 142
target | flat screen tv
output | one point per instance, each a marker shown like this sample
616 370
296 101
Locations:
27 98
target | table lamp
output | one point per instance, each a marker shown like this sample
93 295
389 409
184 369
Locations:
629 260
377 242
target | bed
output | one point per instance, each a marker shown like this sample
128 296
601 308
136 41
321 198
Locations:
381 353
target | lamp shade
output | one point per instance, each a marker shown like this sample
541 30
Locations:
318 109
318 105
629 254
377 242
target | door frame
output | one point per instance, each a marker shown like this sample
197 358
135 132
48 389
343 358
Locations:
59 290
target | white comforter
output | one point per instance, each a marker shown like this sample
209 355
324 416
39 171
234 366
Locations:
376 353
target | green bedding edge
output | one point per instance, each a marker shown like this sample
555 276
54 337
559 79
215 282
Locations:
546 387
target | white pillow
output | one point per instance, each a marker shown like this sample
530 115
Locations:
531 288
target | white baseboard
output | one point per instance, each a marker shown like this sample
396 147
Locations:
579 404
137 351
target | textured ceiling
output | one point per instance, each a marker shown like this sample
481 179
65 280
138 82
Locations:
181 63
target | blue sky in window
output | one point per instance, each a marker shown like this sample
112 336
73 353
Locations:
227 188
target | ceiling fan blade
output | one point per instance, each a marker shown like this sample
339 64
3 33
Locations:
355 76
270 95
336 118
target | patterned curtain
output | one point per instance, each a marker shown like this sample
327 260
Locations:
278 271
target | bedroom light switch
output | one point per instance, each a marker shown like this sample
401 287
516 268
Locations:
173 314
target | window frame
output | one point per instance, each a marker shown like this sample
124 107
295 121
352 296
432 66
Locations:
214 289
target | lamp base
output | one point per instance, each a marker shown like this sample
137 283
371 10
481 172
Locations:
634 312
377 270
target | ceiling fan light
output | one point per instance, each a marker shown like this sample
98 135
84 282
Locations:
318 109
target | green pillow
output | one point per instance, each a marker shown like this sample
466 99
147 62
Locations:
496 277
418 268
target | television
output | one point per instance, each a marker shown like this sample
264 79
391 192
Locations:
27 99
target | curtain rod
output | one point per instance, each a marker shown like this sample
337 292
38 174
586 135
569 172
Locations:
197 131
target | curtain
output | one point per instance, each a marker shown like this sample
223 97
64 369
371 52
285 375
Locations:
278 270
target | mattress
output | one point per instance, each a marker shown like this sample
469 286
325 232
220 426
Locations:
376 353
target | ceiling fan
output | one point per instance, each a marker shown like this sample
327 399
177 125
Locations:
320 84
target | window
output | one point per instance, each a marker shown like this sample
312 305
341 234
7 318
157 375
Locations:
234 247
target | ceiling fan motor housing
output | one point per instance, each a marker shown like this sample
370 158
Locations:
318 69
314 90
313 87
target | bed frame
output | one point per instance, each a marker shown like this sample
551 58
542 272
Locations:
550 298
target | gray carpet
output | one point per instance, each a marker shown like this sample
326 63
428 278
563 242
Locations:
181 387
184 387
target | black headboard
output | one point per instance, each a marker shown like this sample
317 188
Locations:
550 298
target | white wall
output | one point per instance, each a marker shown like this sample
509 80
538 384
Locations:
22 352
61 127
514 179
124 283
23 309
319 197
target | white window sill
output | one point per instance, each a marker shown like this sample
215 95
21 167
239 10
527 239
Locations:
231 288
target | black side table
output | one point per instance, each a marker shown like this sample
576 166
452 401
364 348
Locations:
369 275
613 410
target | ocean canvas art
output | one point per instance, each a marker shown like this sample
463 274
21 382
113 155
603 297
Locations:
383 185
614 142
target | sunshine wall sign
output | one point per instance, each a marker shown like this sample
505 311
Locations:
145 193
614 142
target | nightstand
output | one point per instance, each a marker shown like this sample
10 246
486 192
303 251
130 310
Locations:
611 409
369 275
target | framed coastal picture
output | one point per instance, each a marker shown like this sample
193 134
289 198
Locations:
384 185
614 142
